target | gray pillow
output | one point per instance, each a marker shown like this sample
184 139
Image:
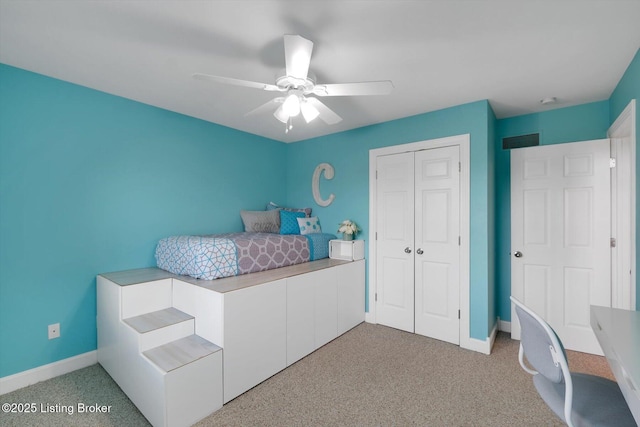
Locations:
261 221
307 211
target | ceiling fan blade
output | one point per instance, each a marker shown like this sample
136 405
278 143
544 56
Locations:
266 107
326 114
383 87
297 53
236 82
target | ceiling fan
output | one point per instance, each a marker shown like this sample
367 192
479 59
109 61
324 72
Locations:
297 85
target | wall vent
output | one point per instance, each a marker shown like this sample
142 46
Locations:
521 141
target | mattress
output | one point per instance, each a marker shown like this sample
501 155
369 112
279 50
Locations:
223 255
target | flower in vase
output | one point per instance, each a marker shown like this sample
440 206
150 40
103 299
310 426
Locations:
348 227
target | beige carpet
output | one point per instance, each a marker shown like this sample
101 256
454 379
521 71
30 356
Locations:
378 376
371 376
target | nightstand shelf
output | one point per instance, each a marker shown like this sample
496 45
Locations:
350 250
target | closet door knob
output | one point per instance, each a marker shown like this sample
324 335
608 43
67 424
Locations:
419 251
407 250
518 254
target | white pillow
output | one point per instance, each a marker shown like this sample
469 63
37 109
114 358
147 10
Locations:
309 225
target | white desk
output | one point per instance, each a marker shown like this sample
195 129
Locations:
618 332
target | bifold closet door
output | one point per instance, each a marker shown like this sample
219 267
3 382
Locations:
418 246
395 211
437 243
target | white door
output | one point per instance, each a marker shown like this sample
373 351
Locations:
418 252
560 231
395 228
437 254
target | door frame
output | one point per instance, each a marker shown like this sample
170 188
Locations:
623 220
463 142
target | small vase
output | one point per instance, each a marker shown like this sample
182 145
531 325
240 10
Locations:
347 237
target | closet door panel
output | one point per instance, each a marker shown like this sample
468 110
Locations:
437 255
435 292
395 251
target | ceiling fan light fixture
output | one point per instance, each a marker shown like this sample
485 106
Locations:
291 105
281 115
309 112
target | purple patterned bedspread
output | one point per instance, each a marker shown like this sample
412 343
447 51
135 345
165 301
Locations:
222 255
265 251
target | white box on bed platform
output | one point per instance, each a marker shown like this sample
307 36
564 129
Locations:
350 250
262 321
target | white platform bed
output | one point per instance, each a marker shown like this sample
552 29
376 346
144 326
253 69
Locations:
180 347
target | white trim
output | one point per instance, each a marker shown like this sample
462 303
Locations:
463 141
504 326
628 112
622 128
46 372
483 346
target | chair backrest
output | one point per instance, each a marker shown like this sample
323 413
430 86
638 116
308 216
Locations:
541 346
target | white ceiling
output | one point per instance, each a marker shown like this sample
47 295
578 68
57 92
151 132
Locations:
438 53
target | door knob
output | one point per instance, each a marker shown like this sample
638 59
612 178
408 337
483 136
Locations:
419 251
518 254
407 250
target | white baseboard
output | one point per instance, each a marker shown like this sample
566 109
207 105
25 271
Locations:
504 326
483 346
42 373
369 317
471 344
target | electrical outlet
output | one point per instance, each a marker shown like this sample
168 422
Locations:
54 331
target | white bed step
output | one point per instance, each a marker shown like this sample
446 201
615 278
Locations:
157 319
176 354
160 327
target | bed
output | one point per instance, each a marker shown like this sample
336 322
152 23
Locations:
222 255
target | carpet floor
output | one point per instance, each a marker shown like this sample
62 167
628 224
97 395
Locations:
370 376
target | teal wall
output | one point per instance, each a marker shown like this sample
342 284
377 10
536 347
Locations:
348 153
581 123
88 183
627 89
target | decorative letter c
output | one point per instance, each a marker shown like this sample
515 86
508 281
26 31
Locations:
315 185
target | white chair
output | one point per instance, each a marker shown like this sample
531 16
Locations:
578 399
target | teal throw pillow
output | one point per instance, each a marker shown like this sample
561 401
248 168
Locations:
289 222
